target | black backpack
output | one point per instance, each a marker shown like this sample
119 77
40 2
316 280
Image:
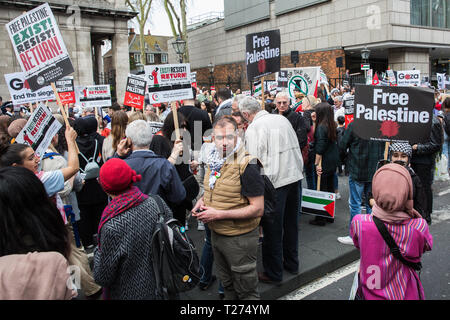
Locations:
175 260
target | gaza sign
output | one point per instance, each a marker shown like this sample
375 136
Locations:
394 114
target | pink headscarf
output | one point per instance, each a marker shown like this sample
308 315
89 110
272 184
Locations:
393 193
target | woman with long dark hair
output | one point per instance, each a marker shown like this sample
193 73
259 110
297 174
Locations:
23 227
166 146
34 244
326 150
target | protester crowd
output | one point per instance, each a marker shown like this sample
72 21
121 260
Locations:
94 188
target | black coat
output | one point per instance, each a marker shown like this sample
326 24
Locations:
193 115
91 193
426 152
300 125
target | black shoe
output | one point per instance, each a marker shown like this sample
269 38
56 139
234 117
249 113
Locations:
205 285
293 272
221 295
263 277
317 222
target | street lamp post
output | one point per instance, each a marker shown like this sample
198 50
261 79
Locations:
365 54
180 47
211 74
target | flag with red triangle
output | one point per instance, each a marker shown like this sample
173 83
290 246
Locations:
318 203
375 80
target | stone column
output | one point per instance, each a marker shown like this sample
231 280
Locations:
409 58
120 62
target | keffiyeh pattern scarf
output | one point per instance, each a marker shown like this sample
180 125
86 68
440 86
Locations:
215 163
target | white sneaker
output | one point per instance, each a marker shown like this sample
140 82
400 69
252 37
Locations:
345 240
200 226
338 196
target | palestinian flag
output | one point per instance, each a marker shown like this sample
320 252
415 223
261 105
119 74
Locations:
318 203
257 89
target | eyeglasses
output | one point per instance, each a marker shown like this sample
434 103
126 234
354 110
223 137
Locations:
282 102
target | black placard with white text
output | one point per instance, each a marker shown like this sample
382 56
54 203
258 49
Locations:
395 114
263 54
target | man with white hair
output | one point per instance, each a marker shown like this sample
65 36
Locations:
339 109
273 141
159 176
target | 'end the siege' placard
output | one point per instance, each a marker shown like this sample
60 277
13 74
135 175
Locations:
395 114
135 92
39 47
263 55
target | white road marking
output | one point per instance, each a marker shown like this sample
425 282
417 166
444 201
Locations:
444 192
322 282
440 215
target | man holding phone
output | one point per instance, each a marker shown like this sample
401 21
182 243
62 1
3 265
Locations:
232 206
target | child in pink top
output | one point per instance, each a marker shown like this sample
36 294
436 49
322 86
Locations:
382 276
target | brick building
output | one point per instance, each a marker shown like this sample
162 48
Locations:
400 34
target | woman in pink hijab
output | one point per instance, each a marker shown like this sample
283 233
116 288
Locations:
382 276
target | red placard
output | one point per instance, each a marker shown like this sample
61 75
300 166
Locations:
135 92
67 97
134 100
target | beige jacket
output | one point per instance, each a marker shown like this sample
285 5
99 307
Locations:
35 276
271 138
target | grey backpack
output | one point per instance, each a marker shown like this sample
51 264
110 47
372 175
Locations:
92 169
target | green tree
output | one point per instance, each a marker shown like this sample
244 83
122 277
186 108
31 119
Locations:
143 8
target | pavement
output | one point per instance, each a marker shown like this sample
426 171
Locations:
319 252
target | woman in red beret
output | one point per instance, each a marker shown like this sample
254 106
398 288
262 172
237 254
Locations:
123 259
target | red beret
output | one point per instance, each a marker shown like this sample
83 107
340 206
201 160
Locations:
116 176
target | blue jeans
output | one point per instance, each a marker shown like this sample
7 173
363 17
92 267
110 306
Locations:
446 148
357 189
280 242
207 259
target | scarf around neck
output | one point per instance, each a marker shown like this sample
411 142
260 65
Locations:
215 162
125 201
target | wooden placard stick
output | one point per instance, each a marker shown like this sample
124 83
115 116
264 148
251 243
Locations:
175 120
318 177
326 88
263 105
31 107
386 150
61 108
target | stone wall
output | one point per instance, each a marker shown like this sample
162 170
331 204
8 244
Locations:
76 31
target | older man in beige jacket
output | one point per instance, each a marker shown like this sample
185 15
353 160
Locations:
272 139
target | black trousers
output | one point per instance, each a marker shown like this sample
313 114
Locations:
425 173
88 225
